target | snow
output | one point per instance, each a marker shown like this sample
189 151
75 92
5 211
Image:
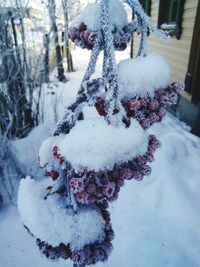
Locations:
142 75
25 150
51 221
45 151
95 144
91 15
156 221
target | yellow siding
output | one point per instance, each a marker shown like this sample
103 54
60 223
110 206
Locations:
176 51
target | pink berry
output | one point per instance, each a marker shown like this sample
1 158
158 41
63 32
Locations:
91 188
86 35
91 38
82 197
109 189
133 104
77 184
153 105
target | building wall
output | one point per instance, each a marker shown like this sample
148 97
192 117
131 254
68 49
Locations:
176 51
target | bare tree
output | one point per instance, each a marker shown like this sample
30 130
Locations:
13 91
52 15
65 5
21 74
132 42
46 57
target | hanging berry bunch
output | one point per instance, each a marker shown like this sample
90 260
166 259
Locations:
87 25
85 38
145 89
148 110
88 161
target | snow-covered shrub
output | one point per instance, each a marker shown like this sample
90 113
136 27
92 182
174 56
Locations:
9 173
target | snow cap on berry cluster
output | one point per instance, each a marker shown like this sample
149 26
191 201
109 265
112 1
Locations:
143 75
51 221
101 145
91 16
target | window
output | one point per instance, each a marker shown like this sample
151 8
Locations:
146 4
170 16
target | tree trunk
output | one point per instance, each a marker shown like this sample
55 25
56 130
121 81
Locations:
66 39
132 42
46 58
60 68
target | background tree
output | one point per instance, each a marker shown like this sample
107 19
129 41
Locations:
65 5
15 106
52 16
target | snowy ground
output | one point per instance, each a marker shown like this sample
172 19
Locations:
156 221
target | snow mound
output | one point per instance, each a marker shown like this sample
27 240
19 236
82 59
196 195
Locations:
91 15
95 144
142 75
52 222
25 150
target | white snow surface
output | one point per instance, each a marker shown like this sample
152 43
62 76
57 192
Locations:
45 151
25 150
49 219
142 75
91 15
94 144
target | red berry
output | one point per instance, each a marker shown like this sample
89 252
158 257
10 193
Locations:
49 187
53 174
100 106
82 27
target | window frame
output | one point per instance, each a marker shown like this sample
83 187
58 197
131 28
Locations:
174 28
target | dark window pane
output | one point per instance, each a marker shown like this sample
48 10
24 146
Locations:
173 9
170 16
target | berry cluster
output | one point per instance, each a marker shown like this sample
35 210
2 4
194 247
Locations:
86 187
104 185
145 109
97 187
89 254
101 186
83 37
